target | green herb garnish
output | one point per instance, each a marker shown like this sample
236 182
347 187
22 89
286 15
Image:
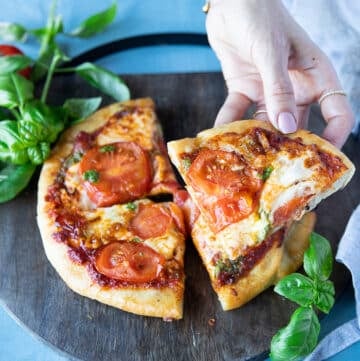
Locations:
300 336
107 148
186 163
136 239
266 173
131 206
228 266
91 176
28 124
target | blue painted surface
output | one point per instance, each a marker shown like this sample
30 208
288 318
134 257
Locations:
135 17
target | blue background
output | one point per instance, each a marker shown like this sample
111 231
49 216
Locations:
135 17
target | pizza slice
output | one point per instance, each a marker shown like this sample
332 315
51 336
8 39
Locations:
103 227
250 183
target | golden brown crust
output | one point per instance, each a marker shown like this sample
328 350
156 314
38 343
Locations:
165 302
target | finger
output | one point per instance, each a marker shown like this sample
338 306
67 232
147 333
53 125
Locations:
303 112
278 93
234 108
337 113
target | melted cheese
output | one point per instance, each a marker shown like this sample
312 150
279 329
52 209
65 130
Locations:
138 126
112 224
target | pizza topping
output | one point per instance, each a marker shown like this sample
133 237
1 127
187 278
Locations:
131 206
107 148
150 221
124 173
129 261
230 182
91 175
266 172
228 271
189 209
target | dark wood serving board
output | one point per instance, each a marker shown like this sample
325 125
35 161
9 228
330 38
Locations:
88 330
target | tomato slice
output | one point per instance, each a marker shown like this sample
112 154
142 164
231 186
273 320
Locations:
217 172
9 50
231 210
227 186
151 220
129 261
122 172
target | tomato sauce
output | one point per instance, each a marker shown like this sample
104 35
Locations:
249 260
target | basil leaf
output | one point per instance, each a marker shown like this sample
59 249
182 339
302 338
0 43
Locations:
81 108
13 179
298 288
10 64
326 296
318 259
13 156
12 32
106 81
14 90
38 153
9 135
95 23
41 122
298 338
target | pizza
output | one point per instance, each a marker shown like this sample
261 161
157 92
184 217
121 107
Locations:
107 223
252 189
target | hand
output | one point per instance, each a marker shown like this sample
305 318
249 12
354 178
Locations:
269 60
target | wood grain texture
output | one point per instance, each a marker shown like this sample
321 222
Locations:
88 330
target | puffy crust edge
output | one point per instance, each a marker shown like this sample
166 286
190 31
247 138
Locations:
164 302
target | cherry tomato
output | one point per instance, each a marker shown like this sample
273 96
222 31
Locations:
151 220
9 50
230 180
129 262
115 173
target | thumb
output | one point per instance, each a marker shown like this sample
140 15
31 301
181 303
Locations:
279 94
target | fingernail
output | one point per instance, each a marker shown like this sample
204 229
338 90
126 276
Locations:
287 123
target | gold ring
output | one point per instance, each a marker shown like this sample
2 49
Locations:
206 7
331 92
259 112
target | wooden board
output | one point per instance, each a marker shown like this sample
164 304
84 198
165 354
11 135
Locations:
88 330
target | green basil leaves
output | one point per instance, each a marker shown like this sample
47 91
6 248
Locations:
300 336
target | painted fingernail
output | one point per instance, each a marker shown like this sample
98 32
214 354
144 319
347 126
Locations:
287 123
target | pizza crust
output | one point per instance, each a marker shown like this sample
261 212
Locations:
165 302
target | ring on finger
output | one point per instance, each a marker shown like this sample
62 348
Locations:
330 93
258 112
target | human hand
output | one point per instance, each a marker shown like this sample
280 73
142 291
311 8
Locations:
269 60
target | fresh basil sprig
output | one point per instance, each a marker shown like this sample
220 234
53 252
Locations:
29 125
315 290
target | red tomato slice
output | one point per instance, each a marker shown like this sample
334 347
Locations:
231 210
221 173
129 261
227 184
151 220
122 172
9 50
